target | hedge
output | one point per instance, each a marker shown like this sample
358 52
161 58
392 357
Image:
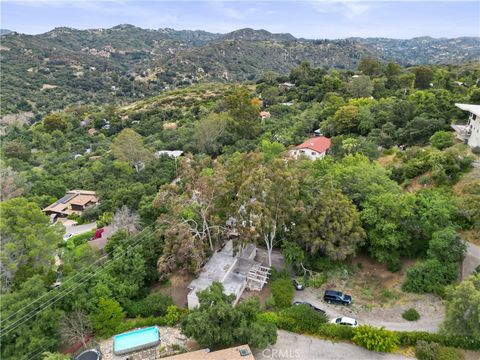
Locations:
375 339
292 320
410 338
79 239
433 351
282 292
171 318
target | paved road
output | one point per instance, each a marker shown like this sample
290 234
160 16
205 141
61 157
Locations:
291 346
472 259
80 229
425 323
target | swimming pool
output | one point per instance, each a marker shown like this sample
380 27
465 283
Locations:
135 340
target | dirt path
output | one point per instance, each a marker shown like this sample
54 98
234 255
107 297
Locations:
431 311
293 346
471 261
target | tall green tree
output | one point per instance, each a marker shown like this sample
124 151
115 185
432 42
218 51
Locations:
266 202
22 339
128 147
423 77
208 133
28 241
384 217
462 315
217 323
329 224
107 318
244 113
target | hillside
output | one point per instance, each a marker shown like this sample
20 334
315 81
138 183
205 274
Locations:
65 66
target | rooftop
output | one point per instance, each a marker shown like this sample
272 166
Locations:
319 144
242 352
474 109
226 268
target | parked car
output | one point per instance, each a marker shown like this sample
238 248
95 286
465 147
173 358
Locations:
297 285
67 236
58 281
344 320
313 307
336 297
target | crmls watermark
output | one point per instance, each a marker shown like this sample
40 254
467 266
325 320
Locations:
281 354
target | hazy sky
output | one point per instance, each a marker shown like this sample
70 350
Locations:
310 19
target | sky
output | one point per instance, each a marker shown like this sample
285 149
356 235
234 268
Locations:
309 19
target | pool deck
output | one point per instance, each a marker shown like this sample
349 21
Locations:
169 336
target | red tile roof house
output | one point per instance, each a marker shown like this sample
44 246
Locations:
314 148
265 115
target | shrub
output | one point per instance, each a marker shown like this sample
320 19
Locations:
442 139
411 315
430 276
268 317
107 318
80 239
434 351
317 280
375 339
410 338
282 292
155 304
301 319
336 332
172 316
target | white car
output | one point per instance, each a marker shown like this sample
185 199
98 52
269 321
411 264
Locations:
67 236
343 320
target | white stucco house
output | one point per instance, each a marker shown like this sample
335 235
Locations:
469 133
314 148
235 270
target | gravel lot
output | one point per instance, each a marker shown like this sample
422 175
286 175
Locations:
431 312
291 346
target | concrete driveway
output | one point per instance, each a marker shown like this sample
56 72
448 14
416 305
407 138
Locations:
378 317
291 346
472 259
80 229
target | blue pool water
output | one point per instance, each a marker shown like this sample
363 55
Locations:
135 340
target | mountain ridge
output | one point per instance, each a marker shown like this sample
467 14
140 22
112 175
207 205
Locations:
102 65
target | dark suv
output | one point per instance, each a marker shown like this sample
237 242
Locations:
336 297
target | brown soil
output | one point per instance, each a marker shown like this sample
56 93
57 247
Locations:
385 160
262 295
176 288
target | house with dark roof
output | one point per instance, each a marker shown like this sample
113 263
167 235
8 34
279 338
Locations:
314 148
73 203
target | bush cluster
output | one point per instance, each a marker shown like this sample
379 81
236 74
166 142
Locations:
155 304
434 351
301 319
171 318
282 292
411 315
80 239
410 338
317 280
375 339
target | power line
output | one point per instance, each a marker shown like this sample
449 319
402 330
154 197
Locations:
68 280
67 291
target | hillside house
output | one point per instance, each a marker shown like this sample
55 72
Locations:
469 133
236 272
75 202
314 148
265 115
170 153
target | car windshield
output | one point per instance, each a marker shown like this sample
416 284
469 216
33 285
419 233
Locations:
339 320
